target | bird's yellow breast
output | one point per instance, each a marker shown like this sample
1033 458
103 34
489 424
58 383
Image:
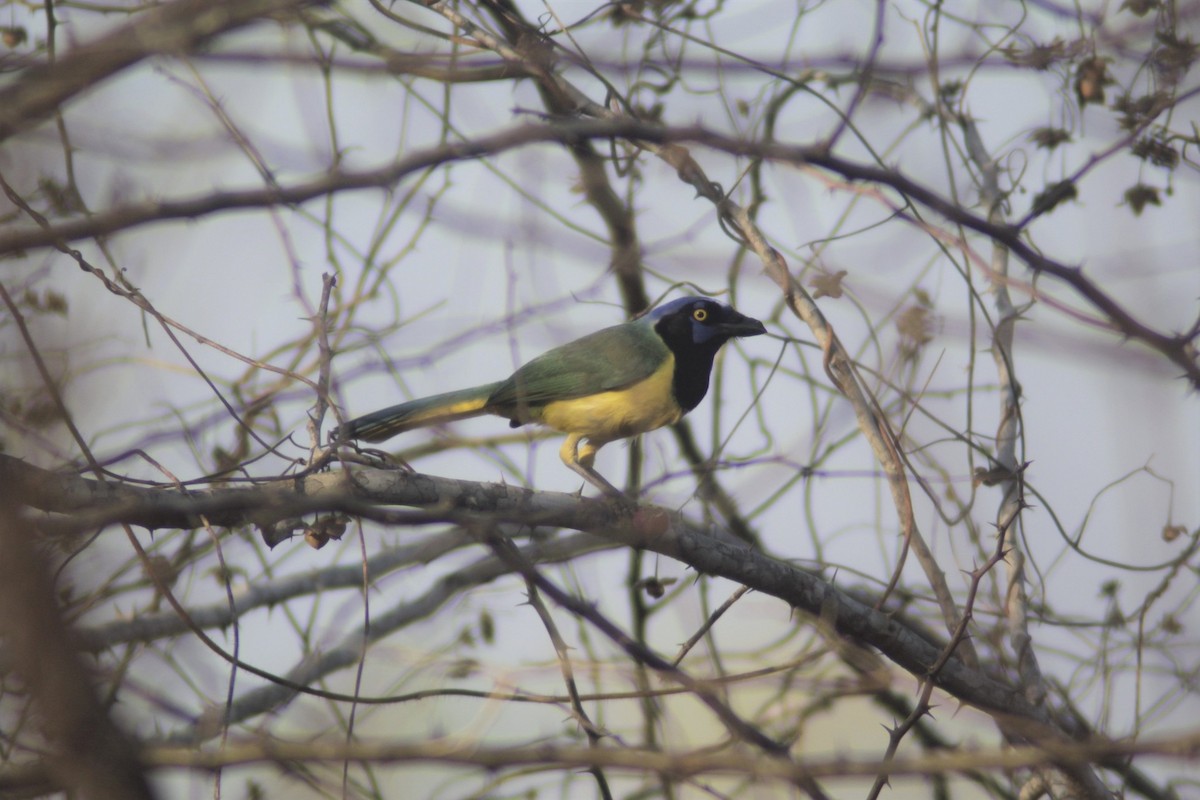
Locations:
607 416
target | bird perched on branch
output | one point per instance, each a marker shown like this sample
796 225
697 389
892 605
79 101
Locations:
611 384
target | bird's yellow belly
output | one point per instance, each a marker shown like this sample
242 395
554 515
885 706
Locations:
608 416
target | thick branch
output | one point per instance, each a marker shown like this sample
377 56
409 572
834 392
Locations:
359 490
679 763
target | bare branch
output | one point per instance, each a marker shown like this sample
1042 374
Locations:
172 29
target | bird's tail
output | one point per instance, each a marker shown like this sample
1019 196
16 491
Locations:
386 423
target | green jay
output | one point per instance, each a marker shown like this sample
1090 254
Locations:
611 384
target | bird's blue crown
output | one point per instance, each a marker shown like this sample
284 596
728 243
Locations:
667 309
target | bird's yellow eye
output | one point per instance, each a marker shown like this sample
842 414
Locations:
700 314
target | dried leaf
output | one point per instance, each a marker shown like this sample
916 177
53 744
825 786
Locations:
1049 138
1172 532
826 284
1137 111
654 587
1175 55
1053 195
324 529
1156 151
1140 196
1040 56
915 324
1091 76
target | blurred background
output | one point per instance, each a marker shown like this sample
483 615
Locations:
206 191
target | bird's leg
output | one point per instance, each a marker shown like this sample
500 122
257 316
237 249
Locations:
580 460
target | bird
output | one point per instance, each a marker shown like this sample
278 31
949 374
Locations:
618 382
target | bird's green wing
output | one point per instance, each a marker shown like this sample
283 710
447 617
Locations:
608 359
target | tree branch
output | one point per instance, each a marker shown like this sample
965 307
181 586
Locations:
1179 349
708 550
170 29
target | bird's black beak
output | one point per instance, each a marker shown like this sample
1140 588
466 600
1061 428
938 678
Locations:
739 325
